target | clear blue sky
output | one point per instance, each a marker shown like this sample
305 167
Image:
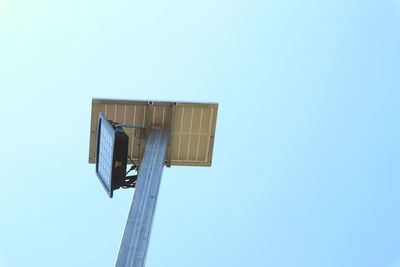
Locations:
306 163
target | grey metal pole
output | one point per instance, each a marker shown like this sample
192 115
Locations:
132 252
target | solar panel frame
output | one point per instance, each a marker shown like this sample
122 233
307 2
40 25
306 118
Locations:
192 125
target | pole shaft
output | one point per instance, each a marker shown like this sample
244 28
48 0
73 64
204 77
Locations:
133 249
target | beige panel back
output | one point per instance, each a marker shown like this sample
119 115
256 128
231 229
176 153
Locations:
192 128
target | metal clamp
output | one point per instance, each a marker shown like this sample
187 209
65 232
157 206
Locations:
129 182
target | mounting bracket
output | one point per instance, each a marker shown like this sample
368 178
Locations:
128 182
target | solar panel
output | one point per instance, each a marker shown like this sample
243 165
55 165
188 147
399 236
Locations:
192 128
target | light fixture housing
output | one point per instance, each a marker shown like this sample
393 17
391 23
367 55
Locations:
111 154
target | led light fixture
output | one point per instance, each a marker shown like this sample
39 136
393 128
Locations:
111 154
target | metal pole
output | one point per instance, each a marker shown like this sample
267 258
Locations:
132 252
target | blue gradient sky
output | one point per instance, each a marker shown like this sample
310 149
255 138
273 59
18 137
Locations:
306 162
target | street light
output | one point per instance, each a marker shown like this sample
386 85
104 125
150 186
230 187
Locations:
111 154
169 134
